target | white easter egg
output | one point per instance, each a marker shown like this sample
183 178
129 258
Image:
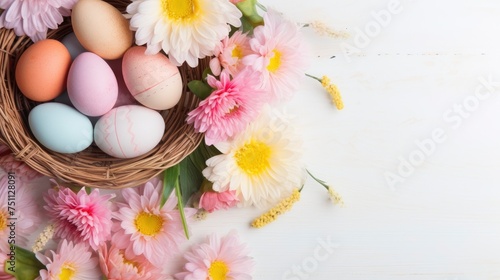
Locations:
129 131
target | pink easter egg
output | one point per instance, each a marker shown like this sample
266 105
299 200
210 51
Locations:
152 79
92 85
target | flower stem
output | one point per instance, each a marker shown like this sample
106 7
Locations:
181 207
334 195
321 182
313 77
262 7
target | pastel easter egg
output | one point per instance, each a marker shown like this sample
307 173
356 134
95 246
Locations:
60 128
129 131
73 45
152 79
64 99
92 85
124 95
42 69
101 28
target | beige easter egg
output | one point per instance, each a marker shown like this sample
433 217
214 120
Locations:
101 28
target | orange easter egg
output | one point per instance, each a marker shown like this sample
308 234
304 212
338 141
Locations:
42 70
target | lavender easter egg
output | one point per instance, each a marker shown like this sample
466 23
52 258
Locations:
152 79
129 131
92 85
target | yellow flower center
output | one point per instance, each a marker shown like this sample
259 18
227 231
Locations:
3 220
218 270
253 157
275 62
237 52
67 272
232 109
180 9
148 224
129 262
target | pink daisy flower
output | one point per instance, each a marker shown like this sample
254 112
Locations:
70 261
80 217
115 266
228 110
229 53
279 53
218 259
9 163
211 200
33 17
146 229
26 212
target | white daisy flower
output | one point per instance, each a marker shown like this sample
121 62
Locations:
263 164
186 30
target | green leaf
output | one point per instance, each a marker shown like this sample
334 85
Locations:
208 151
190 179
200 89
246 26
170 177
201 154
206 72
73 187
212 150
180 205
198 160
22 264
249 10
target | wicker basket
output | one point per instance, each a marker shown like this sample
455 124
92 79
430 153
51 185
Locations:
91 167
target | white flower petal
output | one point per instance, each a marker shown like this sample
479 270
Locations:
183 40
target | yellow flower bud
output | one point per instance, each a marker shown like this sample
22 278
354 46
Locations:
282 207
333 91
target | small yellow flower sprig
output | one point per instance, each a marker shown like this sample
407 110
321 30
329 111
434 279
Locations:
334 195
332 90
200 215
323 30
43 238
284 206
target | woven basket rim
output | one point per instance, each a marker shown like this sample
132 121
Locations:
91 167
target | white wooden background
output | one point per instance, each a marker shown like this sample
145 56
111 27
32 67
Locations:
402 85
